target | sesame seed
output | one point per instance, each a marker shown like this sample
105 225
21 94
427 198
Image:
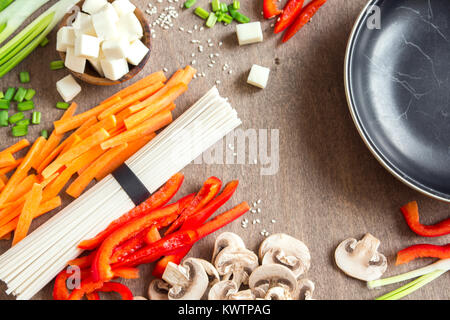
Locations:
273 221
255 161
258 201
210 65
258 221
181 28
165 69
211 44
217 81
220 43
259 210
193 62
193 55
230 72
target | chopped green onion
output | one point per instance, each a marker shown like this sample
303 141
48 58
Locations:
232 11
219 16
44 42
62 105
20 94
223 7
4 4
24 122
36 117
239 17
24 77
202 13
17 117
10 93
44 133
189 3
1 95
227 19
25 105
19 131
215 5
211 21
30 94
56 65
4 104
4 118
236 5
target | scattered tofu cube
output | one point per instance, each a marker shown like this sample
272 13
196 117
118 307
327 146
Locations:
93 6
114 69
83 25
258 76
136 52
65 37
129 26
68 88
74 62
123 7
104 23
115 48
249 33
95 63
87 46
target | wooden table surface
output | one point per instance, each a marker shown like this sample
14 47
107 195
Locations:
328 187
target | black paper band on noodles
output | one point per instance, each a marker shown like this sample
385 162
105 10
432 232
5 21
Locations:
131 184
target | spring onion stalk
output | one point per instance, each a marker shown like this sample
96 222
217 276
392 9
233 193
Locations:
4 104
25 105
46 21
15 14
36 117
24 77
19 131
30 94
17 117
44 133
4 118
9 94
4 4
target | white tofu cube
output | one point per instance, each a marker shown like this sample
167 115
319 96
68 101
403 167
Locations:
87 46
249 33
105 23
258 76
65 37
114 69
68 88
95 63
115 48
83 25
74 62
110 12
123 7
93 6
136 52
129 26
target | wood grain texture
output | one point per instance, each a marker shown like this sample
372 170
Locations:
328 188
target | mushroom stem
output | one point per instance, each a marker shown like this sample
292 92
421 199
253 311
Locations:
176 275
366 248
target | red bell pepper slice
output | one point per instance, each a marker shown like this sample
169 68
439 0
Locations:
60 291
83 262
87 286
270 9
93 296
290 11
121 289
155 201
423 251
126 273
152 235
303 18
209 190
411 214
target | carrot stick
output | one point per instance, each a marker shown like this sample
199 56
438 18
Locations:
155 106
23 169
108 123
62 126
17 146
22 188
144 82
31 205
6 159
74 141
151 125
121 116
188 74
93 140
6 236
80 183
10 168
2 184
3 178
131 99
132 148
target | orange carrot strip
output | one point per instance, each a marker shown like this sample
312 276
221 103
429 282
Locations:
138 85
132 148
80 183
107 124
74 141
188 74
3 178
2 185
31 205
121 116
151 125
17 146
131 99
93 140
6 236
22 188
6 159
155 106
10 168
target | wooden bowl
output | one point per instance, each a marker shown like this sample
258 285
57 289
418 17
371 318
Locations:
90 75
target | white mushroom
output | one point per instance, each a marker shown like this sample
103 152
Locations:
283 249
361 259
305 289
158 290
242 295
211 271
224 240
236 264
269 276
189 281
221 290
139 298
278 293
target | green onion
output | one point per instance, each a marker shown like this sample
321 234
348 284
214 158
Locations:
202 13
25 105
4 118
36 117
239 17
20 94
44 42
10 93
24 77
4 104
219 16
232 11
44 133
227 19
236 5
17 117
24 122
215 5
211 21
56 65
19 131
1 95
223 7
189 3
4 4
30 94
62 105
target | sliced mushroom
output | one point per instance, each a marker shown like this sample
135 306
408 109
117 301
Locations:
158 290
224 240
139 298
236 264
305 289
211 271
189 281
283 249
269 276
278 293
361 259
221 290
242 295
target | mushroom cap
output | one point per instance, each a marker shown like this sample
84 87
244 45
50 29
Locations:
211 271
242 295
158 290
278 293
139 298
222 289
226 239
273 275
305 289
361 259
237 263
286 250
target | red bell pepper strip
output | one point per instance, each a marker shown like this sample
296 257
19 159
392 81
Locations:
423 251
83 262
193 222
60 291
126 273
93 296
290 13
303 18
87 286
209 190
270 9
411 214
155 201
121 289
152 235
